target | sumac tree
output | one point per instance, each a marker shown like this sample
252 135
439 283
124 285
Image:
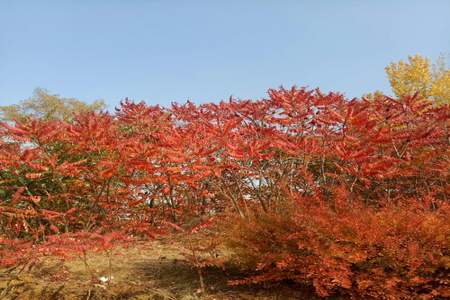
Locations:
332 182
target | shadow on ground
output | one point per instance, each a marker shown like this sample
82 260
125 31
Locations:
153 270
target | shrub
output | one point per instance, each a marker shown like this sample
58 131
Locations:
394 252
302 159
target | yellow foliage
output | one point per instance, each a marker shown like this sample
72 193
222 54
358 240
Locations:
418 75
373 96
440 88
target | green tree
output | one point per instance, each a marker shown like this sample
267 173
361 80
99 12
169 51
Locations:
47 106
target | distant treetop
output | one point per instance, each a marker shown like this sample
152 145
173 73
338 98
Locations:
419 75
47 106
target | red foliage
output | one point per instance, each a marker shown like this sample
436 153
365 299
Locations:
397 252
144 167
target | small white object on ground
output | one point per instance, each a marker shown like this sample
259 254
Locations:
105 279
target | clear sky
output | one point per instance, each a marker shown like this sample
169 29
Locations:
162 50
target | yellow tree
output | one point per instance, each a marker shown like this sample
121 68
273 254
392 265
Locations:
47 106
419 75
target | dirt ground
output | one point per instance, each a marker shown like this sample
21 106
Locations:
152 270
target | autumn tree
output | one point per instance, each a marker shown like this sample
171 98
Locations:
48 106
419 75
349 196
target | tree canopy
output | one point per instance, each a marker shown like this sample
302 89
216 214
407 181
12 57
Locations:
419 75
48 106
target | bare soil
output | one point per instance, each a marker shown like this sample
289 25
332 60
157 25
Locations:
151 270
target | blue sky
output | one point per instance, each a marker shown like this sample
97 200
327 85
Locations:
162 50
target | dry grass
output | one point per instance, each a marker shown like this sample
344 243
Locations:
153 270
